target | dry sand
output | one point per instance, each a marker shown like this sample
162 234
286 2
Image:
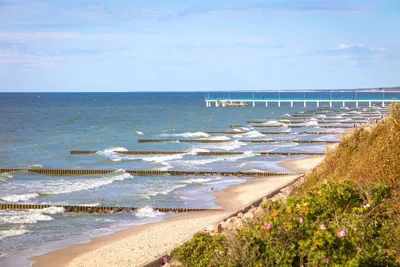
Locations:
139 245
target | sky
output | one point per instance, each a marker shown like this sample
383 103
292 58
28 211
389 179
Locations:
198 45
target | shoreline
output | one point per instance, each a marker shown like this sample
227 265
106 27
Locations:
140 245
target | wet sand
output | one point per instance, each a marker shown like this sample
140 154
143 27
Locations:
139 245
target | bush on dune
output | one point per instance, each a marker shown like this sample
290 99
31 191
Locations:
336 223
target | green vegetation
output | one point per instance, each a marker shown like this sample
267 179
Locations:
347 213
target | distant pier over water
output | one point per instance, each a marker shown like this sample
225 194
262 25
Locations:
326 98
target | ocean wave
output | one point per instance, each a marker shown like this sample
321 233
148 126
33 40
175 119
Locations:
18 198
5 177
195 150
286 115
161 189
236 130
201 180
273 123
65 187
13 232
61 186
320 116
159 159
35 166
139 132
311 123
100 128
245 128
111 153
29 216
255 170
148 212
189 134
253 134
226 146
226 181
219 137
216 159
237 136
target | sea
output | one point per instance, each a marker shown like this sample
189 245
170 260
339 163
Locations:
38 130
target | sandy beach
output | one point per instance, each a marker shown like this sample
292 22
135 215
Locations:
139 245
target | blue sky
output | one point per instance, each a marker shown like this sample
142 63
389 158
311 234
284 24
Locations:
171 45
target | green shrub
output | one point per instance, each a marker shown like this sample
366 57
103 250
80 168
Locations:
201 251
335 223
347 213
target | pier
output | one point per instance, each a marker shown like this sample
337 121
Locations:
307 98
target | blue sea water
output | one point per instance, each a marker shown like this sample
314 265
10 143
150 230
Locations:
40 129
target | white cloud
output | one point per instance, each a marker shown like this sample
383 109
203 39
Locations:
361 46
353 53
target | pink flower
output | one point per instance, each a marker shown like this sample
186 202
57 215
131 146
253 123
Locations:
301 220
267 226
326 261
322 227
341 234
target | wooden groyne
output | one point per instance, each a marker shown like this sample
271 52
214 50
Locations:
243 141
274 133
65 172
83 152
93 209
288 121
212 153
305 126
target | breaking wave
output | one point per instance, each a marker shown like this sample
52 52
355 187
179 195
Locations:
29 216
189 134
148 212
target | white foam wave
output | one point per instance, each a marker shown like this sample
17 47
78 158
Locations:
194 151
18 198
321 116
255 170
13 232
5 177
272 123
65 187
311 123
61 186
201 180
162 190
29 216
237 136
139 133
219 137
189 134
237 130
226 181
253 134
52 210
111 153
286 115
35 166
247 154
245 128
148 212
163 158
